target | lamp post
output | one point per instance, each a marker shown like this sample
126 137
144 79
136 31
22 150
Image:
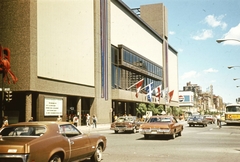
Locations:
223 40
230 67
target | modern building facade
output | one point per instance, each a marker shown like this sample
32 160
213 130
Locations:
79 57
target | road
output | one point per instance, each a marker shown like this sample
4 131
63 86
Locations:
198 144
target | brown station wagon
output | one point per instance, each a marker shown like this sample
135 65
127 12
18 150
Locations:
49 142
161 125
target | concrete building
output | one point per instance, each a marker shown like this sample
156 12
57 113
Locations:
77 57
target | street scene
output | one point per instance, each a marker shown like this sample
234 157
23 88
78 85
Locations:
209 144
119 80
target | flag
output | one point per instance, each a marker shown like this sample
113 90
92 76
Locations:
138 87
164 92
158 91
149 90
134 84
170 95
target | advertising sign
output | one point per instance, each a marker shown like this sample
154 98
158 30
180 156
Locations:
53 106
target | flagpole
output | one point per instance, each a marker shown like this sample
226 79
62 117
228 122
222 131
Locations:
145 86
134 84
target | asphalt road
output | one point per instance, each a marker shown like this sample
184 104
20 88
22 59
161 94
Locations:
198 144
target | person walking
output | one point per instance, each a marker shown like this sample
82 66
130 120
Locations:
31 119
59 119
94 120
5 122
219 120
75 120
88 120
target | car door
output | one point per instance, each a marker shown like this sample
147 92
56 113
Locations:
79 143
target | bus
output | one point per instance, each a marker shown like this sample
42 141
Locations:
232 114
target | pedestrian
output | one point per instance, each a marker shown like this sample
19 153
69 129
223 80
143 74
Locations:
59 119
31 119
115 118
219 120
75 120
88 120
94 120
5 122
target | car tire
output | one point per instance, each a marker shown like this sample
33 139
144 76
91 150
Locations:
55 158
97 156
116 131
173 136
134 130
180 133
146 136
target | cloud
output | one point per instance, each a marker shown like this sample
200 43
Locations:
211 70
215 21
190 74
233 33
203 35
171 32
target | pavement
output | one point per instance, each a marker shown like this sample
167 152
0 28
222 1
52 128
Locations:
90 129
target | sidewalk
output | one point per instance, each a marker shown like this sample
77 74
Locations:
90 129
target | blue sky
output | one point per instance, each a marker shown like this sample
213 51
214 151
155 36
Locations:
194 26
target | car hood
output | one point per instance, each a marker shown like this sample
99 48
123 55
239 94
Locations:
155 125
15 144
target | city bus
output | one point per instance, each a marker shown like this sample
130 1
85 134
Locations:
232 114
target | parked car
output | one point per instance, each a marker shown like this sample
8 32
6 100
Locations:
161 125
126 123
49 142
211 119
197 120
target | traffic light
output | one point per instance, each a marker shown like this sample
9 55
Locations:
8 96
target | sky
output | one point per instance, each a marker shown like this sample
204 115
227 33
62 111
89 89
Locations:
193 28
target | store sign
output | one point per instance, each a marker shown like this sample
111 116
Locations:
181 98
53 106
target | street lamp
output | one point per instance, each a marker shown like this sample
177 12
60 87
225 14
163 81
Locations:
223 40
230 67
235 79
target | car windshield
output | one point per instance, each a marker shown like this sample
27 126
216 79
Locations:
159 120
23 131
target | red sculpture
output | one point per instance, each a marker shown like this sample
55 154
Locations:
5 65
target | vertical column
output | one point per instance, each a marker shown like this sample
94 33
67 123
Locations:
28 106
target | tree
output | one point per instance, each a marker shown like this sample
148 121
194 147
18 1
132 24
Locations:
141 109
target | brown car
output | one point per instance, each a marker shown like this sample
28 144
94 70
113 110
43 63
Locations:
126 123
49 142
161 125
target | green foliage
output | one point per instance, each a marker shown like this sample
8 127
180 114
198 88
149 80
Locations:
141 109
151 107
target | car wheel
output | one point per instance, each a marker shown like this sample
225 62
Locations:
97 156
190 125
146 136
180 133
116 131
134 130
173 135
55 158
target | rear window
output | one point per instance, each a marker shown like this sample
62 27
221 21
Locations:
23 131
159 120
